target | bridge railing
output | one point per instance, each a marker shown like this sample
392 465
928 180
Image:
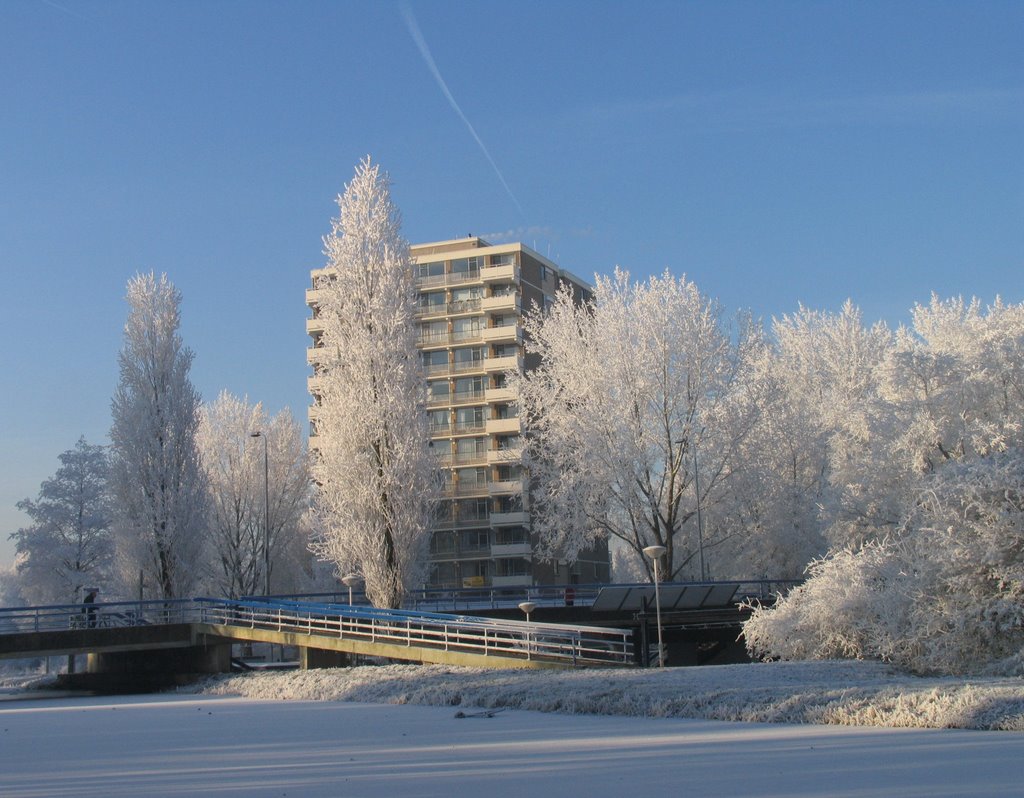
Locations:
567 644
59 617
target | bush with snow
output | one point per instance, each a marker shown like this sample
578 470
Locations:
944 594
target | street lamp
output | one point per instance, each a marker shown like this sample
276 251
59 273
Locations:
266 514
350 581
655 553
700 526
528 607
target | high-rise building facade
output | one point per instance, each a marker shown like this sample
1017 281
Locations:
471 300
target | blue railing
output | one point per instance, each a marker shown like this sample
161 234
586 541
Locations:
560 643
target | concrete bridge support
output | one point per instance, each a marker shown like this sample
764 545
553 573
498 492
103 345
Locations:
312 658
140 671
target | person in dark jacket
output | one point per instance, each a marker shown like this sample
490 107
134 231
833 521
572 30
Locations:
90 611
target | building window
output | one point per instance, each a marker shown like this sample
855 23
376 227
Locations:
469 419
439 420
469 388
511 536
439 390
435 269
513 566
466 266
431 303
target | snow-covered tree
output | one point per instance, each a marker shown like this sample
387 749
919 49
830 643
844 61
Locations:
233 460
932 572
637 403
373 469
68 545
156 480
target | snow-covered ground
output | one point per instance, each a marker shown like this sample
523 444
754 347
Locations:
237 737
848 693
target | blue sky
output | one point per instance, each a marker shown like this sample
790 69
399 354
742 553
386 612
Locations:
774 152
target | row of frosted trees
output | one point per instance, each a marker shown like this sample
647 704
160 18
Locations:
178 503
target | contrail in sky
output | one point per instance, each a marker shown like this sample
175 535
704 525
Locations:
417 36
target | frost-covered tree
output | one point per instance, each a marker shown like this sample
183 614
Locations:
638 403
68 545
957 377
373 469
944 594
156 480
233 461
929 506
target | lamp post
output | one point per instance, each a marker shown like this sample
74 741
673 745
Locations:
350 581
266 514
700 526
528 607
655 553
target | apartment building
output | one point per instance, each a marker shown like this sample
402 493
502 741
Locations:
471 300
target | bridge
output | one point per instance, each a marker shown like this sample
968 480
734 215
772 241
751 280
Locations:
195 635
133 638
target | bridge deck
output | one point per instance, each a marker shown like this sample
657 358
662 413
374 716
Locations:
395 634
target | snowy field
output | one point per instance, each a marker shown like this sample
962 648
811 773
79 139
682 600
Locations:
357 732
846 693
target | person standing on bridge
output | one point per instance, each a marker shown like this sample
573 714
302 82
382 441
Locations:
90 610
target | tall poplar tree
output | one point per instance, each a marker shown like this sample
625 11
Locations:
155 476
373 468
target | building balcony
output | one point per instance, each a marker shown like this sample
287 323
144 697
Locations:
503 426
512 550
509 303
314 326
435 281
431 311
505 488
509 273
500 395
314 296
470 427
463 306
436 369
504 456
520 518
524 580
430 341
465 398
316 354
476 335
508 334
467 277
511 363
468 366
472 488
470 458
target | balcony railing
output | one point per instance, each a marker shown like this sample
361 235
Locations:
517 518
501 456
470 427
506 302
452 278
506 273
464 306
510 363
500 426
464 366
509 333
500 395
